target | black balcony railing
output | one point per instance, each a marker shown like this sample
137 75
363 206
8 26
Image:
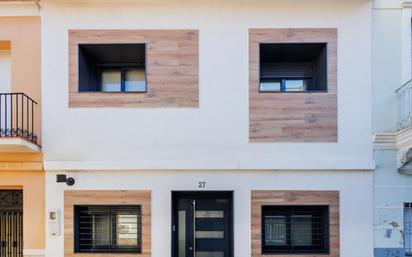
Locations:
17 116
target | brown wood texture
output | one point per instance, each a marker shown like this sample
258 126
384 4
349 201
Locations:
292 117
103 197
275 197
172 68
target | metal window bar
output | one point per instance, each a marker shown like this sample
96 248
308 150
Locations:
292 229
408 228
17 116
108 229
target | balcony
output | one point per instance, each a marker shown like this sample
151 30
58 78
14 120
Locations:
17 123
404 106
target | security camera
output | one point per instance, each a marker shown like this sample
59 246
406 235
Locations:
61 178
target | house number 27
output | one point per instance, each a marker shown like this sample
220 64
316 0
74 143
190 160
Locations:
202 184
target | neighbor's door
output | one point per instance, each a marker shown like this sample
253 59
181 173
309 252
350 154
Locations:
202 225
11 223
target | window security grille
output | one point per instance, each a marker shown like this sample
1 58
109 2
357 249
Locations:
295 229
408 228
106 229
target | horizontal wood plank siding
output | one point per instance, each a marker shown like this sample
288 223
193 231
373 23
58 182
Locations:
275 197
102 197
171 61
292 117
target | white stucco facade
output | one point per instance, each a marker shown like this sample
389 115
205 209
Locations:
391 46
172 149
355 201
215 135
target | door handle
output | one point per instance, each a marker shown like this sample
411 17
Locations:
194 228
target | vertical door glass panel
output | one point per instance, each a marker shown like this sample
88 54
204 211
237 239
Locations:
111 81
275 230
182 233
295 85
408 228
126 234
302 230
135 80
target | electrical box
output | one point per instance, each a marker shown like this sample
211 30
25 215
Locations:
54 222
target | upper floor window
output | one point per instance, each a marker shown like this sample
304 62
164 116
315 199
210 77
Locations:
295 229
408 228
106 229
112 68
293 67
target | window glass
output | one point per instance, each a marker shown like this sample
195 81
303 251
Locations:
126 229
106 229
295 229
112 67
296 85
273 85
293 67
135 80
275 230
302 230
111 81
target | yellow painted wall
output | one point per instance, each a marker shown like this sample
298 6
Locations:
33 185
22 35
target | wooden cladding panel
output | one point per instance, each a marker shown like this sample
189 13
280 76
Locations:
292 117
171 68
274 197
100 197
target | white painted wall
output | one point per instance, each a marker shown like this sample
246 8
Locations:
216 134
355 187
5 71
392 61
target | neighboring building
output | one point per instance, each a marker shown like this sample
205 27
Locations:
392 91
22 178
204 128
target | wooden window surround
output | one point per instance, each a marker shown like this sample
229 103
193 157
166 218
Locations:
295 198
102 197
292 117
172 68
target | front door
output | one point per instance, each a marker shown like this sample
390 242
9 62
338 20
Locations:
202 224
11 223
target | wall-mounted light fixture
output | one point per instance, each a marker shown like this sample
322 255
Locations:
61 178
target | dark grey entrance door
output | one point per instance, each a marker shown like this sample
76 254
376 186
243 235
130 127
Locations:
11 223
202 224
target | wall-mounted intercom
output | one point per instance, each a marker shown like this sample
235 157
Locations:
54 222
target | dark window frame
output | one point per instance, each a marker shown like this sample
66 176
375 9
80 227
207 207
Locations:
408 251
282 89
112 247
122 67
288 211
122 70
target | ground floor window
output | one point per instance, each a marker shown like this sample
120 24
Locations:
295 229
408 228
106 229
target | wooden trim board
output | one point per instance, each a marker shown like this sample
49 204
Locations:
171 61
292 117
103 197
281 197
